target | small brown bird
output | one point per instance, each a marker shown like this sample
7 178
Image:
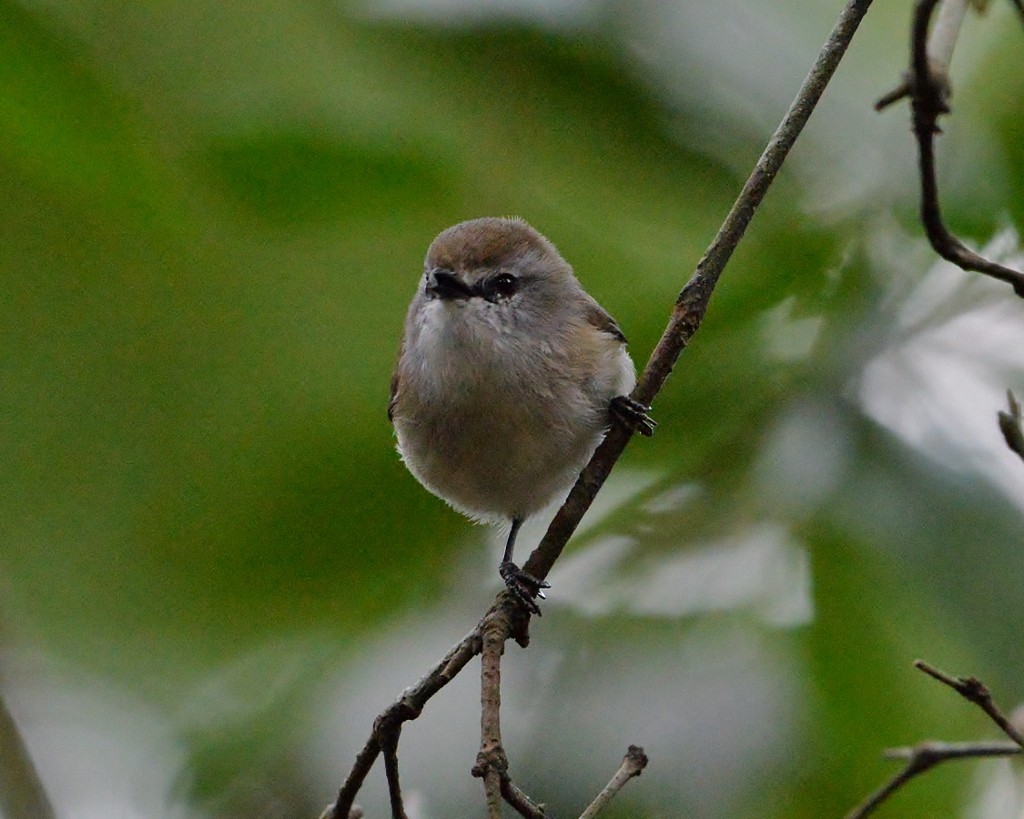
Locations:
507 378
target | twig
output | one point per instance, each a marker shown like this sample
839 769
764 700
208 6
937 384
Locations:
926 755
633 763
974 690
22 795
693 300
923 757
407 707
519 801
686 318
929 97
491 762
390 751
1010 425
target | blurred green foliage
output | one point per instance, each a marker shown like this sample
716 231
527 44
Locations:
212 221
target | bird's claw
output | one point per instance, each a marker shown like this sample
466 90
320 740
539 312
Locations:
633 415
523 586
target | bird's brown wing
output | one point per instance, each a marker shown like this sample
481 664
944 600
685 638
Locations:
598 317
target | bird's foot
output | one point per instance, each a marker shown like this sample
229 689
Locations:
633 415
524 587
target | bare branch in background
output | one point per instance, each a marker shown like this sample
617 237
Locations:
505 619
929 89
926 755
928 86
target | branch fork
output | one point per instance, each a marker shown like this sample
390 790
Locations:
926 755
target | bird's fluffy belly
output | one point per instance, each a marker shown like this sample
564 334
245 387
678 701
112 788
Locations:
498 462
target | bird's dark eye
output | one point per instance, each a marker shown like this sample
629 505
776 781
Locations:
505 285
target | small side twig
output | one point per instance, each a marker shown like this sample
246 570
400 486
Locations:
1011 427
632 765
520 802
927 84
926 755
390 751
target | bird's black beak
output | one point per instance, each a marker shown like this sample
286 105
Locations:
443 284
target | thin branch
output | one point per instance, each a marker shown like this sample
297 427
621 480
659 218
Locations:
22 795
407 707
929 97
491 763
693 300
923 757
1010 425
974 690
632 765
686 318
390 750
